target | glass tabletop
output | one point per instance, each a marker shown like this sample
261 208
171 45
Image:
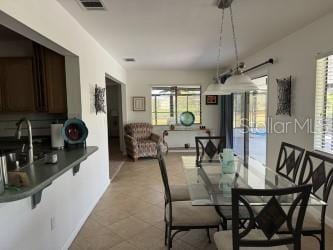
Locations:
208 186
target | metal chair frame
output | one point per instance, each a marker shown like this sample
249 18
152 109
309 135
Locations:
327 187
168 201
200 148
283 164
301 201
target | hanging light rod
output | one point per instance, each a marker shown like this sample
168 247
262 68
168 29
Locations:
269 61
224 4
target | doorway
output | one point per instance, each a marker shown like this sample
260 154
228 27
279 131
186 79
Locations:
115 126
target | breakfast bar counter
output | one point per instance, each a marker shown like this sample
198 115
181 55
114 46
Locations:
40 174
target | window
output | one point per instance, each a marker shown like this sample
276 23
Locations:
168 102
323 138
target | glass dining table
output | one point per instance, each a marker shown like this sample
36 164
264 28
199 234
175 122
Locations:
208 186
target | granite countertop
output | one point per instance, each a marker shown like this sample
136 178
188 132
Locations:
41 174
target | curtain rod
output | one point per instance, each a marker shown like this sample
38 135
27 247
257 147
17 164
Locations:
269 61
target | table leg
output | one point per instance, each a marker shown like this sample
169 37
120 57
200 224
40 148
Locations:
224 220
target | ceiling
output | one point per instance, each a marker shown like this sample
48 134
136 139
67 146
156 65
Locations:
183 34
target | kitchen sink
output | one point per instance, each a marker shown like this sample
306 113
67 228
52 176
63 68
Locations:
17 160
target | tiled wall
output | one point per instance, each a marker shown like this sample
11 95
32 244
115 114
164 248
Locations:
40 123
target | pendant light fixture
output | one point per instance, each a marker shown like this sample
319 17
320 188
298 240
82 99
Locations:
238 82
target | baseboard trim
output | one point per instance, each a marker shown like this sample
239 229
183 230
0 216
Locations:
182 150
71 238
316 214
119 168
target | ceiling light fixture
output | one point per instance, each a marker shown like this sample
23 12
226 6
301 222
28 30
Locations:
238 82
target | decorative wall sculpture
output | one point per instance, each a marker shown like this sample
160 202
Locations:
99 99
284 96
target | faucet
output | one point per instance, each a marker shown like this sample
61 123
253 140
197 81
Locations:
19 133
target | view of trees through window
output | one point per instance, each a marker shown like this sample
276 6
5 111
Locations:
169 102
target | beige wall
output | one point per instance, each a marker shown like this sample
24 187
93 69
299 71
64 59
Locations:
140 82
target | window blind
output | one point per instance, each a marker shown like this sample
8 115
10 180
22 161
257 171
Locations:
323 137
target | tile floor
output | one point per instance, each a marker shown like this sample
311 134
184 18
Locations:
116 157
130 214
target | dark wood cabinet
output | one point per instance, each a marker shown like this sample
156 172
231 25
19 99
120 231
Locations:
50 78
33 84
55 80
17 85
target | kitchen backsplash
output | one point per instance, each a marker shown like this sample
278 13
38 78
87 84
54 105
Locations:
40 123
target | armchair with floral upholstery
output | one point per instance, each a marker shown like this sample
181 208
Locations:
141 141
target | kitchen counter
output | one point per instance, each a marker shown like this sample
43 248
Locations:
41 174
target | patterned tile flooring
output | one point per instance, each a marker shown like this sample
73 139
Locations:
129 216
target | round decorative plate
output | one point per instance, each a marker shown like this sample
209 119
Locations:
187 118
74 131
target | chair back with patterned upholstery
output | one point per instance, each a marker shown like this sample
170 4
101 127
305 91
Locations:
261 230
139 130
208 148
317 169
289 160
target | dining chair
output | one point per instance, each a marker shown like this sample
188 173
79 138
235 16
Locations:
261 231
289 160
181 215
208 148
317 169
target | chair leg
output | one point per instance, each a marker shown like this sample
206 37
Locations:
208 235
166 235
169 237
322 240
224 224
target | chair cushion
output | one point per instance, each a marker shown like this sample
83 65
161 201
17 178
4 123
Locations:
184 214
223 240
310 223
179 193
147 147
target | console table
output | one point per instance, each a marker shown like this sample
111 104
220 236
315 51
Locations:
167 131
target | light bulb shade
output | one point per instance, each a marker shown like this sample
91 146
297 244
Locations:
240 83
237 83
216 89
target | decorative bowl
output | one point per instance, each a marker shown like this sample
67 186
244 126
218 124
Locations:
187 118
74 131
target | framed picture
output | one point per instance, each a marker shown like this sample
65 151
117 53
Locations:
212 99
139 103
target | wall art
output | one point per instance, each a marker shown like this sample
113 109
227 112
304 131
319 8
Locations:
99 100
284 96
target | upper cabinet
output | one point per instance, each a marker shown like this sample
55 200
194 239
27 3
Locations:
50 80
17 85
33 84
56 82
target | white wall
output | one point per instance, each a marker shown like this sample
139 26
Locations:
296 56
69 199
139 84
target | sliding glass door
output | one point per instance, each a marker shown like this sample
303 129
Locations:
238 126
249 131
